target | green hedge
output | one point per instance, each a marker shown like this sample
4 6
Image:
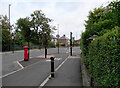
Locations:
76 44
60 44
51 44
104 59
84 47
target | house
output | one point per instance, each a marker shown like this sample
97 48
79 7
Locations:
53 39
77 41
73 39
63 40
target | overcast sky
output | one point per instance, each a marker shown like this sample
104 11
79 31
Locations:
69 14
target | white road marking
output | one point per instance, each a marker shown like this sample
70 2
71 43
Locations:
21 60
19 64
47 79
18 69
54 59
58 58
48 60
10 73
61 64
14 71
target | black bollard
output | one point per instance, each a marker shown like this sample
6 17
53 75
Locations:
45 52
46 44
91 81
71 43
52 67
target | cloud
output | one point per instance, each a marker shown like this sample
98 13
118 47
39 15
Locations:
69 14
72 15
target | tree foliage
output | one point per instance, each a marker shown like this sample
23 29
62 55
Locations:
35 27
40 26
23 26
101 21
5 27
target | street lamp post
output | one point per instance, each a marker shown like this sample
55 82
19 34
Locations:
12 42
9 25
58 38
28 34
39 40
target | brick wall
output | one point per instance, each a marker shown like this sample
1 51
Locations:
63 41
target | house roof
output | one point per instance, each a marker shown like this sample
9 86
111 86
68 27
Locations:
64 37
77 40
53 37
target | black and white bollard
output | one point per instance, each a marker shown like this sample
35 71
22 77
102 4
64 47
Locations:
52 67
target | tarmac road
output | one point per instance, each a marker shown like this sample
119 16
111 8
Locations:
33 74
9 58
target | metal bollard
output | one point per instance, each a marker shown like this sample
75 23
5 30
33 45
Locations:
45 52
52 67
71 43
91 81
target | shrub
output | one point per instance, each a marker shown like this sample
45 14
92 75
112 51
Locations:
104 59
102 56
84 47
51 44
62 44
76 44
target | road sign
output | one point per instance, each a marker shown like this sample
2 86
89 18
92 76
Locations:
12 37
57 35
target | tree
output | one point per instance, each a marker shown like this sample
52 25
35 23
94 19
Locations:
35 26
5 27
115 6
18 39
40 25
23 27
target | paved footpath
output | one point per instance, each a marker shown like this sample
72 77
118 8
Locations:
68 75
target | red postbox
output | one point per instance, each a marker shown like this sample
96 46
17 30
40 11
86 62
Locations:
26 53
